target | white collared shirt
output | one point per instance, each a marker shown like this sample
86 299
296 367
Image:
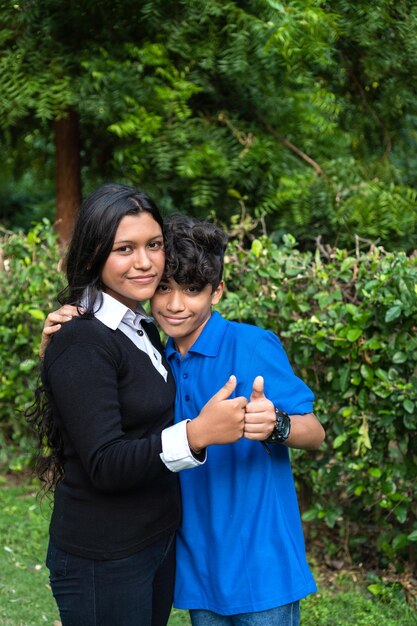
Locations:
176 453
114 315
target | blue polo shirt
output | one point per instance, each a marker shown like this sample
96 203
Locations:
240 547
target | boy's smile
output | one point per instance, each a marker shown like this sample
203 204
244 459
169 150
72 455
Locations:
182 310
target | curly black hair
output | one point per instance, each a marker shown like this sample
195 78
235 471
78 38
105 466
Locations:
194 251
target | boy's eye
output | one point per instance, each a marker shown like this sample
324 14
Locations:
162 288
192 289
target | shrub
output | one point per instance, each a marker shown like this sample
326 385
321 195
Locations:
348 322
29 282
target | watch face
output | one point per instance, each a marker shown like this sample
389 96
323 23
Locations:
282 427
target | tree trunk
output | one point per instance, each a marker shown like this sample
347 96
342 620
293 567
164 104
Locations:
67 174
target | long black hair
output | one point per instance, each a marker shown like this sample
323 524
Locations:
91 243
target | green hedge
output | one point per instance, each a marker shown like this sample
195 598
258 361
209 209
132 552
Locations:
348 323
29 282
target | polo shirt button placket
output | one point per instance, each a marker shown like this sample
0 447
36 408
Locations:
184 376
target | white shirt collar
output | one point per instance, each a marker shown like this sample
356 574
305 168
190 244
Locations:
112 312
116 315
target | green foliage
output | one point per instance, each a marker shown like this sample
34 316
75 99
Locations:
304 109
29 283
353 607
348 322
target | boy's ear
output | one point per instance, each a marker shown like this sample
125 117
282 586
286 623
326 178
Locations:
217 293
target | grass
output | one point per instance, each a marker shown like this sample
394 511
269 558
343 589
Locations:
26 600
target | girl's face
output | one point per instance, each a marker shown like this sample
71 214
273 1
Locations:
136 262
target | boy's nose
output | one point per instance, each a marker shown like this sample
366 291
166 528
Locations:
175 302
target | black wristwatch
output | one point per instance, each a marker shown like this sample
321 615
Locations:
282 427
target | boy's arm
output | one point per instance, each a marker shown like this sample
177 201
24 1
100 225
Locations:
53 324
306 431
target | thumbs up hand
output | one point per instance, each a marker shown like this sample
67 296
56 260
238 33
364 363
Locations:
221 420
260 413
258 389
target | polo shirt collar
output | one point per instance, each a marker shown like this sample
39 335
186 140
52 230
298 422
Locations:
209 341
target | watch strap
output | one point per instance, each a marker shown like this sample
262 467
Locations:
282 427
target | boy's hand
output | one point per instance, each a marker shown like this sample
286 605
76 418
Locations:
53 324
221 420
260 413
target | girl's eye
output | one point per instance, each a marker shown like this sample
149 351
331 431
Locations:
124 249
156 245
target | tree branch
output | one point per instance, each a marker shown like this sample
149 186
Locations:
288 144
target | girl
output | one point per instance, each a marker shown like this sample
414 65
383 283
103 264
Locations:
105 413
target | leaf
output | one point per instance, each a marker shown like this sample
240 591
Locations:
382 374
401 512
363 441
409 405
393 313
400 541
310 515
256 247
27 365
410 421
344 378
353 334
367 372
399 357
233 193
351 308
376 589
340 440
37 314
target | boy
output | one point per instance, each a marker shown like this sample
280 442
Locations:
240 550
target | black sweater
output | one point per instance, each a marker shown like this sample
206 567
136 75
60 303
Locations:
110 405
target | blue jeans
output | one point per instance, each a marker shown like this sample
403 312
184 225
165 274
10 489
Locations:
134 591
287 615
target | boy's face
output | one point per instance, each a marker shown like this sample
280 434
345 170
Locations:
182 311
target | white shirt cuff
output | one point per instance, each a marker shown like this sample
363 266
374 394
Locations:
176 453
